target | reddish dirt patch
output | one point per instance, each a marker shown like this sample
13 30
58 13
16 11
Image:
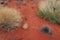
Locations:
29 10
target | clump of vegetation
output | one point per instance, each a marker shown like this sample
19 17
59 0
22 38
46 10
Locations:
50 10
10 19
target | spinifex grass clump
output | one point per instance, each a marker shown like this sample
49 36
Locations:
50 10
10 19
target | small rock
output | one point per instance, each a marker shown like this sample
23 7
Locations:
25 26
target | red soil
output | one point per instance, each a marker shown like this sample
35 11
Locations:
35 23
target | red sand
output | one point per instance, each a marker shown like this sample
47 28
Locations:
35 23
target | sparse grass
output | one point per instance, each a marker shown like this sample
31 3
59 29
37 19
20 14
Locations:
50 11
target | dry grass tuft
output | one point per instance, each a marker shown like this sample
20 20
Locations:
50 10
9 18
